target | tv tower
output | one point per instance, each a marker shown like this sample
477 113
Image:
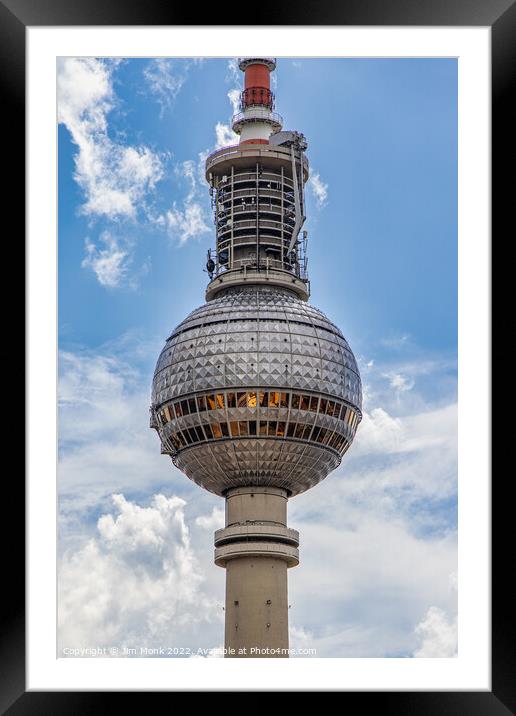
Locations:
256 395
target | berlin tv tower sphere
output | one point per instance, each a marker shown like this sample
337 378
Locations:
257 387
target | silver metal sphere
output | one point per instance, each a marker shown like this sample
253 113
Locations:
256 387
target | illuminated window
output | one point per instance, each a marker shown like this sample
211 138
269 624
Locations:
290 430
217 432
175 441
263 427
231 398
306 432
201 403
263 398
251 400
274 399
177 408
252 427
313 404
330 407
182 439
241 400
242 425
327 437
234 428
220 400
304 402
281 430
321 435
295 401
299 430
167 414
272 428
284 400
210 399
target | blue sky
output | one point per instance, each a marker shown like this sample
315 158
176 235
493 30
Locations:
134 227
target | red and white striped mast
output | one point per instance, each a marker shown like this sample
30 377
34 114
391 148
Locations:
257 120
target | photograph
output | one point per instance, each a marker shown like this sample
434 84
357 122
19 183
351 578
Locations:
257 323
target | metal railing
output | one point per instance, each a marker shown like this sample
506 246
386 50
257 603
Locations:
257 114
266 264
236 151
257 95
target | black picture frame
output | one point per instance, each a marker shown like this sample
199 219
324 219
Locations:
15 17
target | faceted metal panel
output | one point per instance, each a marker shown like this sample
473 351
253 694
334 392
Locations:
255 336
293 466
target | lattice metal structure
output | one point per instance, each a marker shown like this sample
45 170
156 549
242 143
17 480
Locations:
256 395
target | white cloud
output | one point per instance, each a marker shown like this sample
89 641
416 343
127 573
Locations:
211 522
115 178
319 190
234 97
365 578
106 444
165 78
106 447
189 220
234 73
378 536
136 584
377 545
400 382
110 262
379 432
223 131
224 135
438 635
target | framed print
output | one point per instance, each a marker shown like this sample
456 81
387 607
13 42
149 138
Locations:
258 257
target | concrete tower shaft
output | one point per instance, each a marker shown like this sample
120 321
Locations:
256 547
